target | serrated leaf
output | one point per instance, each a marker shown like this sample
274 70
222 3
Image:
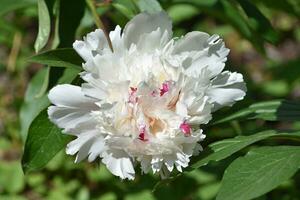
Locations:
260 171
277 110
44 141
44 26
150 6
65 57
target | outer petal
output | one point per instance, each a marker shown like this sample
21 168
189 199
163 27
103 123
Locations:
198 50
89 143
71 106
226 89
119 163
145 23
94 42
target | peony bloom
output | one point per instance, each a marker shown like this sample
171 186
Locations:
143 102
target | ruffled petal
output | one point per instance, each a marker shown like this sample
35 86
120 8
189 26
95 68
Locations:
88 144
226 88
197 50
119 164
94 41
71 108
145 23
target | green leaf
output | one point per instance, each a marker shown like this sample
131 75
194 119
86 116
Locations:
44 141
35 85
259 22
34 101
35 98
9 5
44 26
150 6
260 171
124 10
65 57
275 110
181 12
56 13
222 149
29 111
225 148
12 179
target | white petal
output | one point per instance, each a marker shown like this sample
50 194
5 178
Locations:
70 96
94 41
87 144
146 23
71 108
226 89
119 164
198 50
192 41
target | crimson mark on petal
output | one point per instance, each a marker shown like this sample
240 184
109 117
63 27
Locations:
185 128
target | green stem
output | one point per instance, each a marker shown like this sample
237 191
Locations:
98 21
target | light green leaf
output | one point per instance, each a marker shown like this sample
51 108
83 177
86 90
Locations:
277 110
35 100
9 5
181 12
65 57
11 177
29 111
44 26
56 13
124 10
44 141
36 84
150 6
260 171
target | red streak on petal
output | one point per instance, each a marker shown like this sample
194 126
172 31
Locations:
185 128
132 98
142 134
165 88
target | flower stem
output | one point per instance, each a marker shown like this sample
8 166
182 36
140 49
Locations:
98 21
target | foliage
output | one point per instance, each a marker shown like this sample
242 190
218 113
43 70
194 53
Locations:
251 150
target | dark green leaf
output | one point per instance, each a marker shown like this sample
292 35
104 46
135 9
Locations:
270 110
222 149
225 148
44 26
260 171
66 57
259 22
44 141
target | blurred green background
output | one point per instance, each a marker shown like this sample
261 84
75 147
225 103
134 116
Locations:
264 39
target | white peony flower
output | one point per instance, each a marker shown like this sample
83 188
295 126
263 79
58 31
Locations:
139 103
